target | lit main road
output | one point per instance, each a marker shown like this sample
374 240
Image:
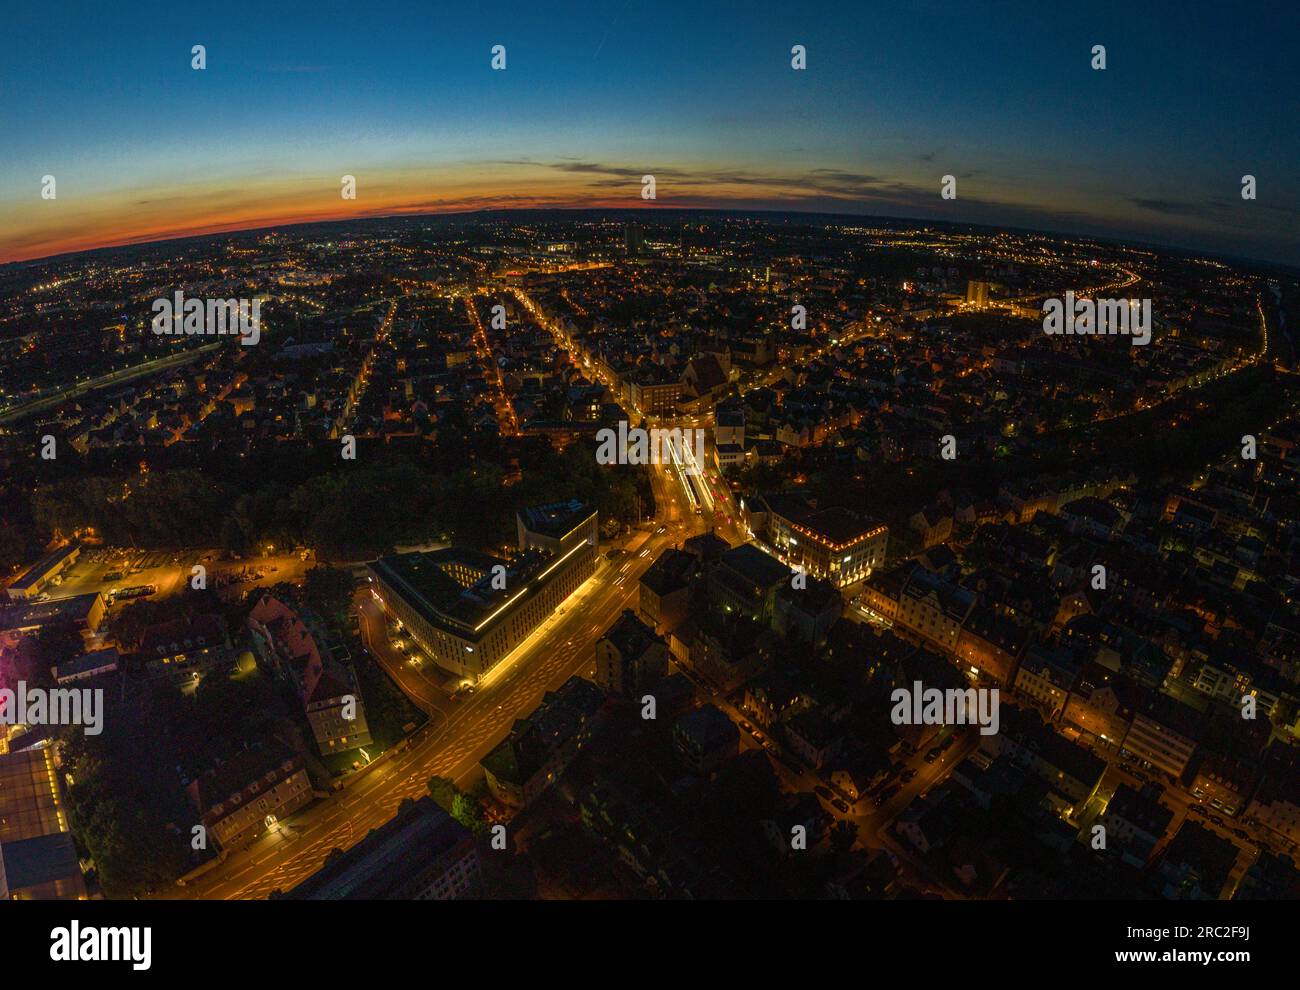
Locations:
451 747
505 409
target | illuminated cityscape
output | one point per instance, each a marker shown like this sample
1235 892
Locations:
643 530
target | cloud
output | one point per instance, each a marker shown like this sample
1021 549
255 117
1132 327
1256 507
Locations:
1173 207
834 182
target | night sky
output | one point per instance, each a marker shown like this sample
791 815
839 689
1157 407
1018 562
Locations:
402 96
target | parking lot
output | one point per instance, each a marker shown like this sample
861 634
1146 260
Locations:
159 574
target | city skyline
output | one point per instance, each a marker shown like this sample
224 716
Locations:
1151 149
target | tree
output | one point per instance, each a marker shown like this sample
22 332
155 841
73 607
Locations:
125 806
16 542
44 649
443 792
469 813
328 590
842 836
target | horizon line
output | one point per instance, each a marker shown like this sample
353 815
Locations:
1113 240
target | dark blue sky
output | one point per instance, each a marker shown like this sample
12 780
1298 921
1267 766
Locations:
702 95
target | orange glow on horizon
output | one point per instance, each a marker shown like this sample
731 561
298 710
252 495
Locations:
40 229
82 220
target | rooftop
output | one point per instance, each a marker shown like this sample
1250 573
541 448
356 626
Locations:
43 859
381 865
670 571
630 635
453 588
532 740
270 763
758 568
708 727
86 662
36 573
837 526
556 519
27 615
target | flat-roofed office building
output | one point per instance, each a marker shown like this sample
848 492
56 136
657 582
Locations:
468 610
558 527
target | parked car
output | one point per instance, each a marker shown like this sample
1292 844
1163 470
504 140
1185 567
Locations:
909 775
886 794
